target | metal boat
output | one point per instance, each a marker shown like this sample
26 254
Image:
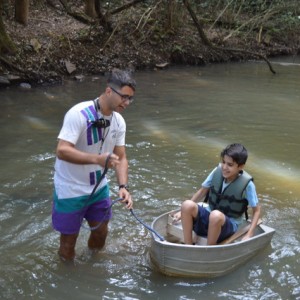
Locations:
171 257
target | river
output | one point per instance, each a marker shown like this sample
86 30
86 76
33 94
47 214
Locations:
180 121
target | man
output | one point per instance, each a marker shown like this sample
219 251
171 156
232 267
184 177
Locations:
92 137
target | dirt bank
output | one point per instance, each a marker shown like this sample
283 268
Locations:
54 46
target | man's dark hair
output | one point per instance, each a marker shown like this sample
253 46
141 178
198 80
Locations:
237 152
119 78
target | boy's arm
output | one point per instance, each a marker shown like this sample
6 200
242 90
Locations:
255 217
200 194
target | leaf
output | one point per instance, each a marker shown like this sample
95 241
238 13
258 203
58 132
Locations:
34 43
70 67
162 65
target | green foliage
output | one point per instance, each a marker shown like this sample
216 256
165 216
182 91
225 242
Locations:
178 48
289 20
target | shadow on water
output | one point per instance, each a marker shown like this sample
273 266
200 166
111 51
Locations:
176 128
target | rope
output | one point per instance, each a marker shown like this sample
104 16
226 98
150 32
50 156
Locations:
146 226
105 214
93 192
115 201
101 178
132 212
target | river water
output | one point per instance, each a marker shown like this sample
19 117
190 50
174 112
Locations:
182 118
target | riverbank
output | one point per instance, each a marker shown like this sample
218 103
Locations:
55 46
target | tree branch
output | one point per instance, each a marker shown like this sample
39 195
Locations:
78 16
198 24
125 6
11 65
248 52
208 43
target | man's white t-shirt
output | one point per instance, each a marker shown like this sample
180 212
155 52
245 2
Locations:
74 180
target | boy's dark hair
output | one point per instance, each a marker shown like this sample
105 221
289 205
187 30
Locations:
119 78
237 152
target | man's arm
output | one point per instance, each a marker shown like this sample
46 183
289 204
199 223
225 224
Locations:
122 168
122 175
66 151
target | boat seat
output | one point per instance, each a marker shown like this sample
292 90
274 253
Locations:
175 233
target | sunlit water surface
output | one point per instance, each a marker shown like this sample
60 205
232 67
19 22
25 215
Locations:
179 123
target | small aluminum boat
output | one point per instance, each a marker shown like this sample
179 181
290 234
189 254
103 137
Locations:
172 257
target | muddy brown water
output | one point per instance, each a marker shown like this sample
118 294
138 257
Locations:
181 119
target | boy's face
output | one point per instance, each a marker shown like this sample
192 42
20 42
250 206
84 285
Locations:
230 169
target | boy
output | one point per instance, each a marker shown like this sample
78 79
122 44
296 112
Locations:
230 190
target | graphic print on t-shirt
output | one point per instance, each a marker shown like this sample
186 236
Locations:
94 134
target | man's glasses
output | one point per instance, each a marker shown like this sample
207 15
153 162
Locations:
124 97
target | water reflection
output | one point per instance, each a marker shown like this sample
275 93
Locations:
181 120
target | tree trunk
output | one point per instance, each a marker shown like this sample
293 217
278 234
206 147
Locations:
103 19
22 11
6 45
198 24
90 8
170 13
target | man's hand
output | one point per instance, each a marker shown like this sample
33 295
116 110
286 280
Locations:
125 195
111 160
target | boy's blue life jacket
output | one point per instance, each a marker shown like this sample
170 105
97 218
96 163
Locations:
230 201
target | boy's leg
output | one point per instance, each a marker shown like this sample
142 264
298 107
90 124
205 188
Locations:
189 212
216 221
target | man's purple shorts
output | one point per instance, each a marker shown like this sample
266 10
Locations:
68 214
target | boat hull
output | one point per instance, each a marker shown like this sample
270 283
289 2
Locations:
175 259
